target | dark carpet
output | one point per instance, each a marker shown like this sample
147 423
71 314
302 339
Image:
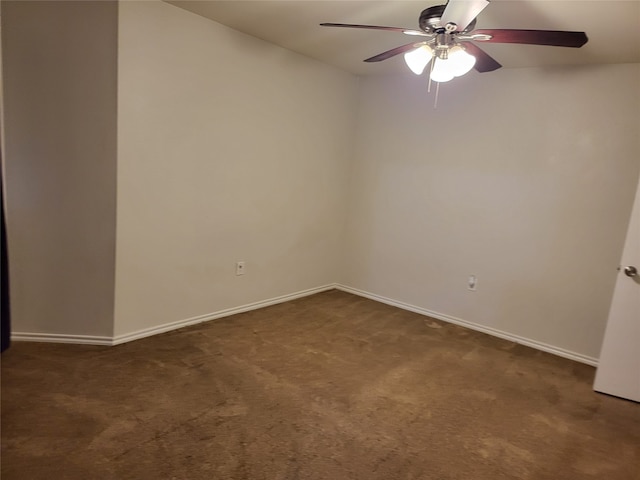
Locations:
331 386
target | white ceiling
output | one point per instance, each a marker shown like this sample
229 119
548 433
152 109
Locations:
613 28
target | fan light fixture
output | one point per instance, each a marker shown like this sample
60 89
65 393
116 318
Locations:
418 59
447 36
449 63
442 71
462 61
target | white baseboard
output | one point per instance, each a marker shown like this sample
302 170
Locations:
167 327
128 337
59 338
578 357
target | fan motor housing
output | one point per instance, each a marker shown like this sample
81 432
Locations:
429 21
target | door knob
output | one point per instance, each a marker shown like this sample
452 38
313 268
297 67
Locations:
630 271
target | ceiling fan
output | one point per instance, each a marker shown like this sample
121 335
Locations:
447 33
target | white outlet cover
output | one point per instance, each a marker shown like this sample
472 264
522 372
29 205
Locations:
240 268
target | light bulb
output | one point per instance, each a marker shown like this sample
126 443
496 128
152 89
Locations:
441 71
460 62
418 59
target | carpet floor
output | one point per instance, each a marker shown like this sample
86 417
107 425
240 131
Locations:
331 387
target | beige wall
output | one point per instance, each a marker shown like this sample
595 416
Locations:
59 62
228 149
523 177
231 149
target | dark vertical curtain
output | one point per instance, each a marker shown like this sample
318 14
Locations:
5 321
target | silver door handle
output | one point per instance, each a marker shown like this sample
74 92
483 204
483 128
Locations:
630 271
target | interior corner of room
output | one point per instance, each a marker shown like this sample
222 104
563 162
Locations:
149 150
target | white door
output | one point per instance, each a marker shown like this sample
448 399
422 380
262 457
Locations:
619 365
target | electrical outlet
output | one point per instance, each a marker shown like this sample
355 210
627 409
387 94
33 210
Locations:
472 283
240 268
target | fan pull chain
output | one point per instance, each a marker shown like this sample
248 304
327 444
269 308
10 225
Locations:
435 102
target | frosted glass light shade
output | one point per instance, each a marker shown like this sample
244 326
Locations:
460 62
418 59
441 71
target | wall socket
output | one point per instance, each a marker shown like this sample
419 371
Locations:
240 268
472 283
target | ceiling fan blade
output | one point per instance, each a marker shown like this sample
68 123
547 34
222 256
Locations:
407 31
462 12
556 38
484 62
393 52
